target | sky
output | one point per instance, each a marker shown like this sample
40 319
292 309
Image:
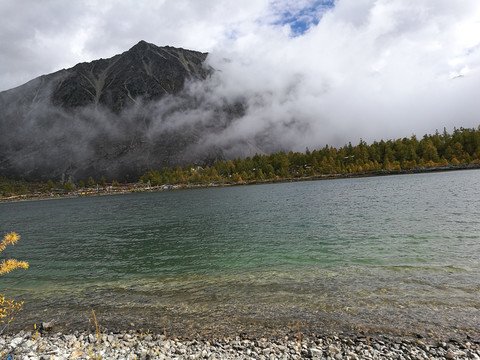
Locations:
313 72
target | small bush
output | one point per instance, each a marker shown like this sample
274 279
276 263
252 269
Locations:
9 308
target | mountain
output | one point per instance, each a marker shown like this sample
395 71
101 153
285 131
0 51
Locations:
118 117
145 70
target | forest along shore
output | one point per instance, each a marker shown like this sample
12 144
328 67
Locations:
119 189
147 345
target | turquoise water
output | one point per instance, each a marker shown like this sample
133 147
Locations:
396 253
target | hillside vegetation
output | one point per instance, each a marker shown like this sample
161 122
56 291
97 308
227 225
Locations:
458 149
462 147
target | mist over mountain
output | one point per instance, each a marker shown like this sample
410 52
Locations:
146 108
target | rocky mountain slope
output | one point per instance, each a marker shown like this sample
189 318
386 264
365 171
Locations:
118 117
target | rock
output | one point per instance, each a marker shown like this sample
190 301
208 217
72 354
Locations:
29 343
76 354
449 355
42 347
47 326
316 354
16 342
332 349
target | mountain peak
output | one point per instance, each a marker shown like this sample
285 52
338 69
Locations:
87 119
146 71
142 45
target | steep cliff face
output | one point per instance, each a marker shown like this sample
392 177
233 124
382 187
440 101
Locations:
115 117
145 71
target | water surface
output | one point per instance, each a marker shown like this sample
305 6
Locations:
394 254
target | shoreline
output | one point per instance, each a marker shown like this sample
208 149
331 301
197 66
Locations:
133 344
160 188
217 326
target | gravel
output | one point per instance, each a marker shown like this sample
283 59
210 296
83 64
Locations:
131 345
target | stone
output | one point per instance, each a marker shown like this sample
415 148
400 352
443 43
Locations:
449 355
47 326
29 343
16 342
76 354
332 349
316 354
42 347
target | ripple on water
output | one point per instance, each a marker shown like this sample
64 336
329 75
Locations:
382 252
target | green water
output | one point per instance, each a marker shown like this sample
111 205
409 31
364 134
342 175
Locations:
396 253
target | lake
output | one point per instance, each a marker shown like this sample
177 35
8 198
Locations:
393 254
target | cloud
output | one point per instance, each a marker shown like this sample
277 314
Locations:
369 69
309 72
39 38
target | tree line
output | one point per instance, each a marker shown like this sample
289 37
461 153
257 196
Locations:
461 147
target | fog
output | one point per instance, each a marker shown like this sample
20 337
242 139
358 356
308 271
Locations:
370 70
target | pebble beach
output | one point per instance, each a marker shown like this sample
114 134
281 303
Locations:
140 345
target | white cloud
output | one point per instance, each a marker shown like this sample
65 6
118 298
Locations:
370 69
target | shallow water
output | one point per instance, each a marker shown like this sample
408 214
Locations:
395 254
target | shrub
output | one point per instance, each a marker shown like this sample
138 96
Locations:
9 308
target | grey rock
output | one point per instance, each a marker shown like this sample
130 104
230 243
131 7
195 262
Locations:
48 326
16 342
332 349
92 338
316 354
266 351
29 343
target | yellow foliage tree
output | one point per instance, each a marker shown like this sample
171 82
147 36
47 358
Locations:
9 307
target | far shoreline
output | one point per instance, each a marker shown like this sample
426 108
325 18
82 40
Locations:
141 187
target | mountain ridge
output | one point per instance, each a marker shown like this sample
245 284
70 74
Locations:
116 117
143 74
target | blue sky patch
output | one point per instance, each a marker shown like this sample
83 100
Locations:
301 19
